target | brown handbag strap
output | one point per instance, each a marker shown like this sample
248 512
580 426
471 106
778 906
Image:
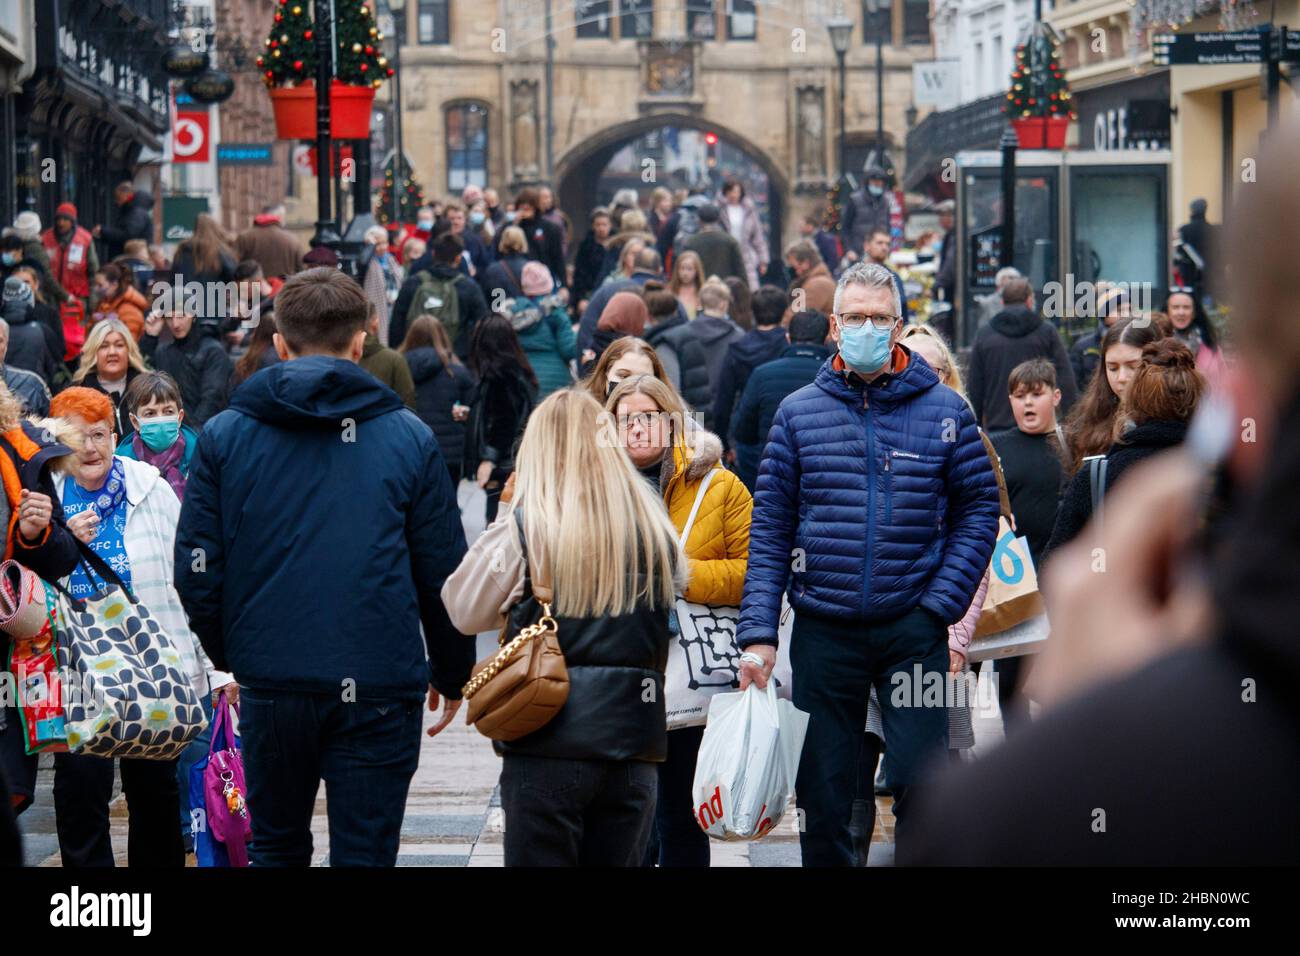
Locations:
538 575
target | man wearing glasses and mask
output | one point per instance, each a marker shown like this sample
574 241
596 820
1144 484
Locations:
876 510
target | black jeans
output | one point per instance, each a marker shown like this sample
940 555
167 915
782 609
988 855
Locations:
365 750
576 812
83 787
835 663
681 841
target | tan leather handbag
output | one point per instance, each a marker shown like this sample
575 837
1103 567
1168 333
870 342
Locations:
523 685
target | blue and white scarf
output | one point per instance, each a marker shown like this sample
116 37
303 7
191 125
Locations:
109 505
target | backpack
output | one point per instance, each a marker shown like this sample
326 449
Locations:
437 296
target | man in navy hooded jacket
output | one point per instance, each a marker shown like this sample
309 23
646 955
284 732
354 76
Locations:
876 509
318 527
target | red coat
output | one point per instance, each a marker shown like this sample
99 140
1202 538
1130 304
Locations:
70 264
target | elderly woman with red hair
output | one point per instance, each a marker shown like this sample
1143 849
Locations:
127 512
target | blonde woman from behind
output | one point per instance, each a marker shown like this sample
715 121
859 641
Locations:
580 791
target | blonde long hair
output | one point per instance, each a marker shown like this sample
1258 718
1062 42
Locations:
589 517
95 338
951 376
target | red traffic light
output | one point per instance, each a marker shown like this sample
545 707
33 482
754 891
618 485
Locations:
711 139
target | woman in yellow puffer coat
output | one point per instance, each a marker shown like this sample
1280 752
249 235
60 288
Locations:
675 456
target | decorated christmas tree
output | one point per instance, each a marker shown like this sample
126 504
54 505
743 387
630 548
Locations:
289 57
410 192
1038 84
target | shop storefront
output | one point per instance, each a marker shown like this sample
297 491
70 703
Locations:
1133 114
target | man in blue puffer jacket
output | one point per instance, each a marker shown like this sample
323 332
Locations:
877 511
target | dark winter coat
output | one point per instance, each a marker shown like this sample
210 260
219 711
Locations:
719 252
545 244
324 552
888 510
498 414
1141 442
469 298
743 356
768 386
1085 356
1016 334
278 251
501 279
437 389
132 220
1136 745
716 336
201 368
587 266
684 358
31 342
863 215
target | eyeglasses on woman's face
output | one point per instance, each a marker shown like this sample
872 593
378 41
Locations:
856 320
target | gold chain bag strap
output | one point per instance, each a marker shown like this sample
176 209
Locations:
523 685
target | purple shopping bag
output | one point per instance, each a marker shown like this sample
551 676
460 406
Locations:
224 792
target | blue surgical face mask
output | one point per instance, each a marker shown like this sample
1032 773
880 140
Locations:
510 216
425 223
865 349
9 258
160 433
476 218
876 190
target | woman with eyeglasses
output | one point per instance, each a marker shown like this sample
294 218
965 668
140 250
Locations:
675 457
128 512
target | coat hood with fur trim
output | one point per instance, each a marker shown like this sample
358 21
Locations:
700 451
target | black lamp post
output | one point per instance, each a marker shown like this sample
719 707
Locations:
841 31
327 233
874 10
398 8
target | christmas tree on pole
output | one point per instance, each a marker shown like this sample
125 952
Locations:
1039 95
360 60
410 193
289 57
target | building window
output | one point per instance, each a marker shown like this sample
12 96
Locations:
467 141
879 22
916 21
593 19
997 66
701 19
742 19
433 21
637 20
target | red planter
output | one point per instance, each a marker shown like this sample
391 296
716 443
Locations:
342 153
295 111
1030 131
1055 130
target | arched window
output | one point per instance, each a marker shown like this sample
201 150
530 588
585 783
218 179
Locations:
467 146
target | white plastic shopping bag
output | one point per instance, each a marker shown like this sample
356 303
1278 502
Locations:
748 761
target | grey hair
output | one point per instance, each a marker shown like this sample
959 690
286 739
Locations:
1004 274
625 197
4 326
871 275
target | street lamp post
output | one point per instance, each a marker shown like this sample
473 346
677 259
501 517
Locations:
874 9
398 8
841 31
327 233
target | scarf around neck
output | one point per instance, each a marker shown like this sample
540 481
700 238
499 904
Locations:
167 461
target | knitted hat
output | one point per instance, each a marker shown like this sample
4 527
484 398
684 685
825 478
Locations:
16 290
28 224
625 314
66 209
536 279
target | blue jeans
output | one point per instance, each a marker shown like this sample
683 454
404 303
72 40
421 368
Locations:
835 663
366 751
196 751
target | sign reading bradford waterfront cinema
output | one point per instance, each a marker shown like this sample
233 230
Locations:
1215 49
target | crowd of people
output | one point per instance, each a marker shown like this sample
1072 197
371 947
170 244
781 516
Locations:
650 418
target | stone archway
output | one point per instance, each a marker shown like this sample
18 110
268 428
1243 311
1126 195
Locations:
578 170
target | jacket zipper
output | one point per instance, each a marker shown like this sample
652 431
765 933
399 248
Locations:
889 490
871 502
